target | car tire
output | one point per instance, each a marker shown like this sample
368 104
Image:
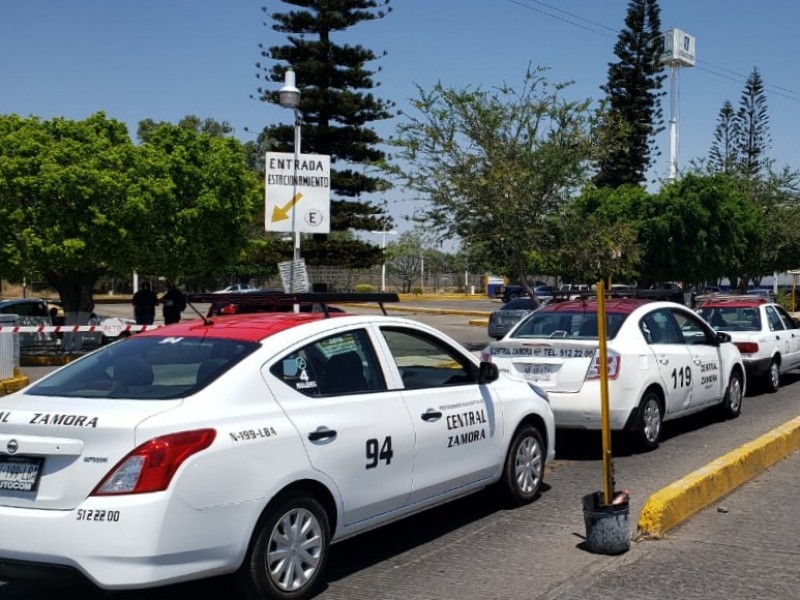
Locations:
731 406
523 472
772 378
270 568
648 422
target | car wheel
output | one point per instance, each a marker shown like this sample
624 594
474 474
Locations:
288 552
772 380
523 472
647 425
731 405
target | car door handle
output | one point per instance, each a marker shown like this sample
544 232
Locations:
663 361
322 434
697 361
431 415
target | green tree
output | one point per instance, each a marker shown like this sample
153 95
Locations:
723 156
337 108
633 97
196 199
597 235
495 163
752 120
65 202
698 229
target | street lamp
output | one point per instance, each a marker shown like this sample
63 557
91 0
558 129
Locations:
384 233
289 97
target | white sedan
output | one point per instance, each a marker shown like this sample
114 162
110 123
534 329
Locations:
767 336
663 362
246 444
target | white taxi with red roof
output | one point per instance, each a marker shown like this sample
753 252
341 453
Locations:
663 360
765 333
248 443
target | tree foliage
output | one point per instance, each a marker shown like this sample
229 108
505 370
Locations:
633 96
724 153
495 163
752 119
337 108
79 200
698 229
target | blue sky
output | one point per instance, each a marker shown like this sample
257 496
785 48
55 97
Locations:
164 59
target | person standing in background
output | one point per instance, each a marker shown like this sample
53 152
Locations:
174 303
144 305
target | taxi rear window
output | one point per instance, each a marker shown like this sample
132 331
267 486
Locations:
562 324
146 368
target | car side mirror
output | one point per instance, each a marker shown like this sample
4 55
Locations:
723 337
488 372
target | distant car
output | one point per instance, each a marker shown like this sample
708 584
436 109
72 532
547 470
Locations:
503 319
32 311
248 444
765 333
663 361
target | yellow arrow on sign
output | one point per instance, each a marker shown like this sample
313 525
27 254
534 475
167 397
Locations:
281 213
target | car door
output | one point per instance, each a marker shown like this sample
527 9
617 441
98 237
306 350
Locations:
672 357
792 358
782 337
458 423
705 377
355 431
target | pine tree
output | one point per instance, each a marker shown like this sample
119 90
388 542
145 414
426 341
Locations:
723 156
336 107
753 127
633 97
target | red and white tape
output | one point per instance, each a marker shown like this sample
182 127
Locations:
115 329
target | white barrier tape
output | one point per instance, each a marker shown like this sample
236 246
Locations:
75 328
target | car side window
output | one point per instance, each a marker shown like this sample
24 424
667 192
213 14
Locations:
787 319
424 362
659 327
344 363
774 319
692 329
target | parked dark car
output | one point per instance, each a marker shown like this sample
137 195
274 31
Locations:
503 319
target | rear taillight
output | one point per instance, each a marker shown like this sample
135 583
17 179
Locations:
613 362
230 309
747 347
150 467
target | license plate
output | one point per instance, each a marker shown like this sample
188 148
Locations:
19 473
538 372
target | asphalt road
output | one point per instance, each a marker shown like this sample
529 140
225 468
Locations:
744 547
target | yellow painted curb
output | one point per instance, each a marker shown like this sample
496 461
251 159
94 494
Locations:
678 501
17 382
43 360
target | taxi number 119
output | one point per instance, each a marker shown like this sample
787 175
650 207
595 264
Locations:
681 377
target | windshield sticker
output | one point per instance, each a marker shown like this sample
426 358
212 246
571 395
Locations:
338 345
296 368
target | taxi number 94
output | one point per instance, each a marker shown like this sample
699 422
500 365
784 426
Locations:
377 452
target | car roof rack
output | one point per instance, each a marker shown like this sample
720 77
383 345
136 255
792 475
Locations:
621 293
266 299
722 298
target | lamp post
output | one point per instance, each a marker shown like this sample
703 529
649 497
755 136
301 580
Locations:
289 97
384 232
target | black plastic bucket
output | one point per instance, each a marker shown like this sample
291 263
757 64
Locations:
607 525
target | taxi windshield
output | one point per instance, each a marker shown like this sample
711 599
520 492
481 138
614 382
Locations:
563 324
150 368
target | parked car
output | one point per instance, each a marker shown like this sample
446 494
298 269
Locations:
31 311
247 444
765 333
503 319
663 361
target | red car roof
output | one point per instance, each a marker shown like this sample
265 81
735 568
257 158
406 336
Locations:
249 327
623 306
